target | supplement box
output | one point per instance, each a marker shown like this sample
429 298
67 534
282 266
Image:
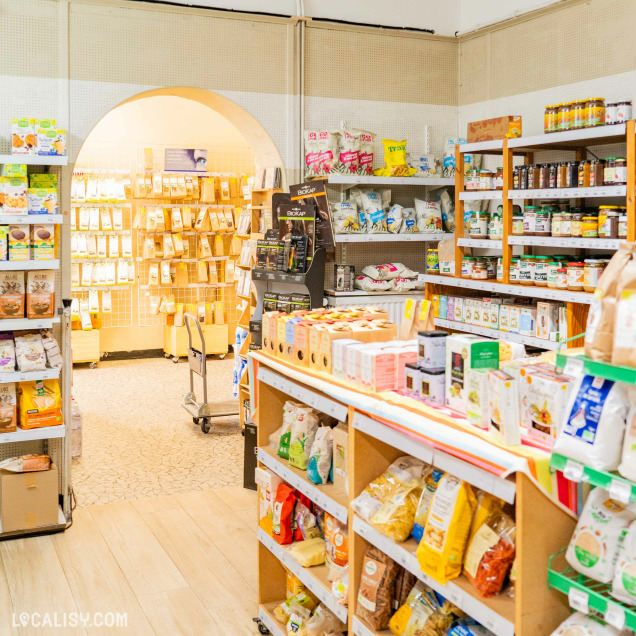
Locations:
547 319
477 397
432 387
503 408
495 128
338 359
431 354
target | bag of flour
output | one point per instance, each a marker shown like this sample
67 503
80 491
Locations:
428 215
369 284
624 585
594 545
582 625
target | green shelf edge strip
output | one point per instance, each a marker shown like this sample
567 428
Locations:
600 369
591 475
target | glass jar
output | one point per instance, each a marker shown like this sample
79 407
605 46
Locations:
562 278
622 226
608 226
533 176
468 264
479 225
572 174
562 174
553 267
595 107
471 180
611 113
514 270
544 176
623 111
566 224
551 119
515 178
579 118
592 271
577 223
565 116
491 267
590 227
486 180
597 177
523 177
608 171
480 271
575 276
517 225
557 221
620 171
584 174
495 227
542 223
552 175
498 180
526 270
541 270
529 219
432 260
500 269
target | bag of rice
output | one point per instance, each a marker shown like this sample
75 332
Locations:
312 165
303 431
581 625
441 550
395 159
367 139
627 467
320 456
428 216
594 425
409 224
348 152
367 283
624 585
344 217
594 545
394 219
373 210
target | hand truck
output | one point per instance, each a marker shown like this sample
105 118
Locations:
202 413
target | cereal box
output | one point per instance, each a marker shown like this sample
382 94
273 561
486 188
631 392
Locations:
14 195
19 243
503 409
14 170
544 401
43 242
42 200
23 137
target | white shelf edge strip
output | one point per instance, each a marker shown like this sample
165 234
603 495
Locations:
569 135
28 323
345 179
480 195
359 629
481 243
273 626
568 241
19 376
29 265
531 341
455 594
304 575
497 486
293 389
30 219
325 502
569 193
391 238
35 160
45 432
513 290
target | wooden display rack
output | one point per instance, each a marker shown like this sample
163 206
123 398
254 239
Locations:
542 526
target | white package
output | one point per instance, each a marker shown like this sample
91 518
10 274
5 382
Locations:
374 212
627 467
581 625
624 584
428 215
7 355
29 352
369 284
409 222
387 271
403 284
394 219
320 456
344 216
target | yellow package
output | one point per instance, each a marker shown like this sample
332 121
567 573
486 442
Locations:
486 505
309 552
395 159
420 614
304 599
40 404
294 585
441 550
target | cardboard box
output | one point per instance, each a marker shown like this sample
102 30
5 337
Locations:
547 319
515 317
28 500
545 399
459 309
468 315
496 128
528 321
504 318
338 356
503 411
477 397
443 307
340 457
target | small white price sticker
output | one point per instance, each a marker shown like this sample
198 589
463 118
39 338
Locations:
578 600
573 471
615 616
453 596
620 491
573 366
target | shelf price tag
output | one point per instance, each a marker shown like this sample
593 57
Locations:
573 471
573 366
620 490
578 600
615 616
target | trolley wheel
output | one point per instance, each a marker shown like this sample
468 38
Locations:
175 359
205 425
166 355
92 365
262 629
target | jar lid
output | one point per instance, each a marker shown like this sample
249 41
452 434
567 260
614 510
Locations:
609 158
427 372
576 264
432 334
432 249
591 260
514 260
471 258
500 168
626 101
562 270
543 258
608 207
553 263
590 218
485 170
620 158
411 365
531 207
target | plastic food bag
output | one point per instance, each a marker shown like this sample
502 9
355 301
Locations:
403 284
26 463
303 431
369 284
627 467
624 585
387 271
395 159
468 627
294 585
289 415
394 219
374 211
375 594
29 352
430 486
409 222
420 614
344 216
490 554
40 404
448 211
348 152
306 522
441 550
323 622
425 165
304 599
340 587
595 423
487 505
336 547
581 625
327 151
367 139
320 456
312 153
308 553
283 514
428 215
298 617
593 547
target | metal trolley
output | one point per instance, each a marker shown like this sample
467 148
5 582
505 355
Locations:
202 413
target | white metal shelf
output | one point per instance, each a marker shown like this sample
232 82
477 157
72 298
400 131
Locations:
101 288
44 432
481 195
99 259
573 138
567 241
480 146
30 219
28 323
24 265
458 591
35 160
531 341
481 243
314 578
266 616
391 238
499 487
100 204
104 232
569 193
29 376
322 496
182 260
345 179
514 290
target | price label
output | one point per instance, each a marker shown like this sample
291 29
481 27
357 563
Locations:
454 596
23 378
573 471
615 616
578 600
491 623
573 366
620 491
270 276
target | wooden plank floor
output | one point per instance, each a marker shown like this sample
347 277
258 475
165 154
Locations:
175 564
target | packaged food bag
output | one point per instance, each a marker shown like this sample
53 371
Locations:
348 152
283 514
420 614
594 425
303 432
627 467
430 486
395 160
367 139
320 456
323 621
26 463
336 547
375 594
594 545
309 552
374 211
624 348
327 151
284 433
409 221
468 627
344 217
428 215
294 585
487 506
297 622
404 583
367 283
304 599
582 625
624 584
8 408
40 404
441 550
394 219
387 271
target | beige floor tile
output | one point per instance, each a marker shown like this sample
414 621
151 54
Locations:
249 518
238 498
236 619
134 627
6 605
155 504
143 561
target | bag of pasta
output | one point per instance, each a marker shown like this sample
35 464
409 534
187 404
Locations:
421 614
441 550
395 159
377 583
389 502
304 599
490 554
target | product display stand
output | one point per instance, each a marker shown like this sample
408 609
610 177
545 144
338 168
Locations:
372 446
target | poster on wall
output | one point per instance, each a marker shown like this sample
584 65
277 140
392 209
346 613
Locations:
185 160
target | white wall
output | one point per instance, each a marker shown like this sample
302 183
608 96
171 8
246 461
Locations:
475 14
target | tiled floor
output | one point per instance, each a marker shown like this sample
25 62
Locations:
138 441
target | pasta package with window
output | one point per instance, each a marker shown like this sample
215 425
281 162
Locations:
395 159
420 614
40 404
376 591
441 550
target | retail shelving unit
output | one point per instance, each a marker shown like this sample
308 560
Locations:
576 141
372 446
52 440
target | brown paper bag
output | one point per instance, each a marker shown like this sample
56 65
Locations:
182 275
218 246
219 318
624 349
202 272
417 317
